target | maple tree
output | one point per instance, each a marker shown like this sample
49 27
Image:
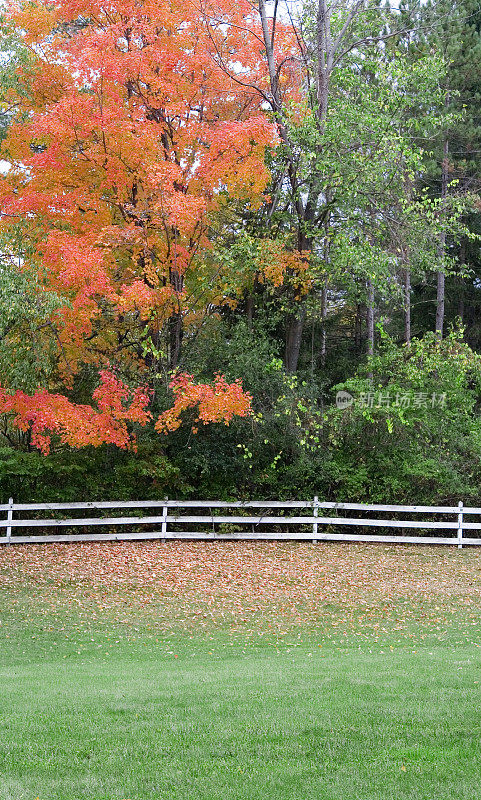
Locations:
217 403
130 128
44 413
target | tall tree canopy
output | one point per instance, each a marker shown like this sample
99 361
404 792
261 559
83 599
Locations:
133 123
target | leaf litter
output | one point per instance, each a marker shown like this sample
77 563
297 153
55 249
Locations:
249 588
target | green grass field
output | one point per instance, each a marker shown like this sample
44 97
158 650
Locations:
226 671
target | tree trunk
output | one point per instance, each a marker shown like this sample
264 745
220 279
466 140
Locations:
462 261
323 322
305 212
358 328
176 324
370 318
440 291
407 305
324 60
294 340
175 336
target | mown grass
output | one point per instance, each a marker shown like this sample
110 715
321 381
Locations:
341 707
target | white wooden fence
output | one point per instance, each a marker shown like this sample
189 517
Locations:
221 520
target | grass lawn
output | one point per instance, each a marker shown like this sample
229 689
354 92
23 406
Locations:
216 671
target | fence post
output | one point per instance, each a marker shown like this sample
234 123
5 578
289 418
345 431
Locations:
315 512
9 519
460 525
165 511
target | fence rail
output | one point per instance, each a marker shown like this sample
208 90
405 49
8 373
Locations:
279 521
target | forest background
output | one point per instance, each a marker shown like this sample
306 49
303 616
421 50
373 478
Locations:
216 216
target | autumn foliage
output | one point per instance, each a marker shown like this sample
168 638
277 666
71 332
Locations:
217 403
77 425
45 414
134 122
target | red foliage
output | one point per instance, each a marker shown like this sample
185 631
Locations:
140 131
78 425
118 406
217 403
